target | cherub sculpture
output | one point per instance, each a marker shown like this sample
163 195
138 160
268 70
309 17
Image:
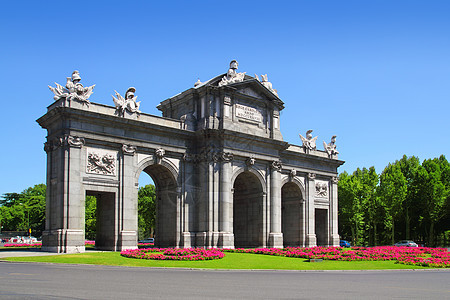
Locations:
74 90
309 142
331 147
128 103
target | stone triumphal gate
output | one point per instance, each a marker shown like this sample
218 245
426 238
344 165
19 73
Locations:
224 176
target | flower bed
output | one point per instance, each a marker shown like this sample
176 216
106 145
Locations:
427 257
190 254
24 245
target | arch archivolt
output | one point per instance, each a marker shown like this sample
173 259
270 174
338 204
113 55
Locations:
258 173
150 160
297 182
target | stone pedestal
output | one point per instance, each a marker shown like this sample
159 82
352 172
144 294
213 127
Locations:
275 240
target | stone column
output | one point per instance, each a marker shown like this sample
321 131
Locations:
275 235
188 202
334 234
128 202
311 240
226 237
65 231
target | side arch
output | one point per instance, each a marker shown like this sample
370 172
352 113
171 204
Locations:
296 181
149 161
166 178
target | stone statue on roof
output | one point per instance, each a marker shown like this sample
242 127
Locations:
330 148
232 76
309 142
266 83
74 90
128 103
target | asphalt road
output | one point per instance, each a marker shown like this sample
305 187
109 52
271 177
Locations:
56 281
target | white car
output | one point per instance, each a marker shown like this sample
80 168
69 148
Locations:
406 244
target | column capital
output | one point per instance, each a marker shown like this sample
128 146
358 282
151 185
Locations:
128 149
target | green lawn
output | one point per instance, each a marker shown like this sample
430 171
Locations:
230 261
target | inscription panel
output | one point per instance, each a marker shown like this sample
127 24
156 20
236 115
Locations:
248 113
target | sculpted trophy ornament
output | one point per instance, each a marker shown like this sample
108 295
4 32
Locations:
265 82
232 76
309 142
74 90
330 148
128 103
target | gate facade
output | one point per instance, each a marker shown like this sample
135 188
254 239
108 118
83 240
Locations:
224 176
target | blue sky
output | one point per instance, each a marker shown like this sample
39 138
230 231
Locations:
374 73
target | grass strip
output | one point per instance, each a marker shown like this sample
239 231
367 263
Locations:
232 261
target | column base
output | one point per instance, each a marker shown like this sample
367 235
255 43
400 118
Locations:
187 239
63 241
128 240
311 240
275 240
226 240
334 240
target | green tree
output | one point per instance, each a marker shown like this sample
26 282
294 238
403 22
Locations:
409 167
146 211
393 192
434 194
358 205
19 212
90 226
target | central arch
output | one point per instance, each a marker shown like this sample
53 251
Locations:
166 234
247 211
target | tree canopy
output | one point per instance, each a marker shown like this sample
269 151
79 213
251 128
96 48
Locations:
408 200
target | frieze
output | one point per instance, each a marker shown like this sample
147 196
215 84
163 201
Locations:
101 162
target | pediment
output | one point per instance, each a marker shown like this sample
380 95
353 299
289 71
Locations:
249 86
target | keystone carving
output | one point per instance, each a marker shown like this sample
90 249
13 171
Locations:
292 173
250 161
74 90
159 153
